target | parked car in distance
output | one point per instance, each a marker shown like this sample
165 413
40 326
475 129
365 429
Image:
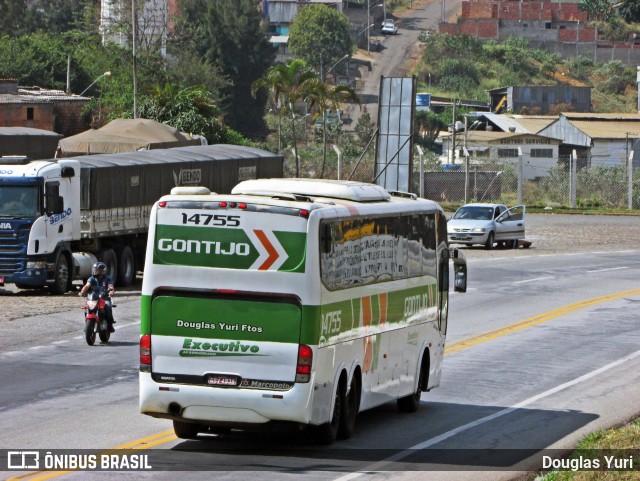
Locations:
332 119
389 27
487 224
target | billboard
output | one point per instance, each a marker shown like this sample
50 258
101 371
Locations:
394 146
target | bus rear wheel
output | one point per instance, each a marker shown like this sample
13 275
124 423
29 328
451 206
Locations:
186 430
328 432
350 410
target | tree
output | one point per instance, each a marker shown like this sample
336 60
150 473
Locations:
238 46
191 110
428 125
320 36
287 84
598 9
56 16
23 17
629 10
326 97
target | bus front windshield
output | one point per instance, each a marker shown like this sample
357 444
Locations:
19 201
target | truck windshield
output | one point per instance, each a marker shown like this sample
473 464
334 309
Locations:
19 201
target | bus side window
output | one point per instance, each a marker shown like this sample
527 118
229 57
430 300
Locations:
429 245
325 238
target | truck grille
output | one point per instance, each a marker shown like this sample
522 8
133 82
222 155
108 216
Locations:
13 248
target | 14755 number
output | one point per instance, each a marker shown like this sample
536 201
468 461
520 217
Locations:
211 219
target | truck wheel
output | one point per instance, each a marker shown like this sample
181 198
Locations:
60 276
126 267
108 256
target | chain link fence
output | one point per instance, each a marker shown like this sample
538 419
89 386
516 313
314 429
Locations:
582 184
594 186
586 183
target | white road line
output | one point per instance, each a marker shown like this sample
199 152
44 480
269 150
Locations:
609 269
57 343
533 280
430 442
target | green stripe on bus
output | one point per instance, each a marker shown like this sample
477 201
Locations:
225 319
222 248
280 322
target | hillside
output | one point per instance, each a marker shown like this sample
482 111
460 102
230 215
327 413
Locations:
461 66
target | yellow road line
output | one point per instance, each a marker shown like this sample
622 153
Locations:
532 321
168 436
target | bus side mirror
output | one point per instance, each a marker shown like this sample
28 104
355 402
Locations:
459 271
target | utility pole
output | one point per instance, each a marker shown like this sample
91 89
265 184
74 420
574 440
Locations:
466 161
368 23
133 45
453 137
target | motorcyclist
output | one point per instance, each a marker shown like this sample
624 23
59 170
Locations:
100 282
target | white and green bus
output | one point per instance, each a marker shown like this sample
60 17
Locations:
292 300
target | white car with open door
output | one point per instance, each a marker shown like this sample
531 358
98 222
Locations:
487 225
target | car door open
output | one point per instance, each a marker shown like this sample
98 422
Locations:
510 225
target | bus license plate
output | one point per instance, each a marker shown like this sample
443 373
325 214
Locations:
222 380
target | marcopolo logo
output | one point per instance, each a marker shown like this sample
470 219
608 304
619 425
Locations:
191 348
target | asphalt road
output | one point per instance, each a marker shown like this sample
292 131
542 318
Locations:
552 360
397 53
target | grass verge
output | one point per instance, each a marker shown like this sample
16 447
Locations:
613 441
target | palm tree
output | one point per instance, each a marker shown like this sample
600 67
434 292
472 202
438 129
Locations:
323 97
287 84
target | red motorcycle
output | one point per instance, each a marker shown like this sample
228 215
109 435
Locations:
94 318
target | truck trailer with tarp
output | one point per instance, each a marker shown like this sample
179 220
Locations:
57 217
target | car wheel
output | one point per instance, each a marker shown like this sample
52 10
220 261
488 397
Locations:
489 244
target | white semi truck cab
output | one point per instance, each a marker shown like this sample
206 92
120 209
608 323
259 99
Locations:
58 217
39 219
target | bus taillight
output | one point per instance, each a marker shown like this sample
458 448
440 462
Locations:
145 353
305 358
